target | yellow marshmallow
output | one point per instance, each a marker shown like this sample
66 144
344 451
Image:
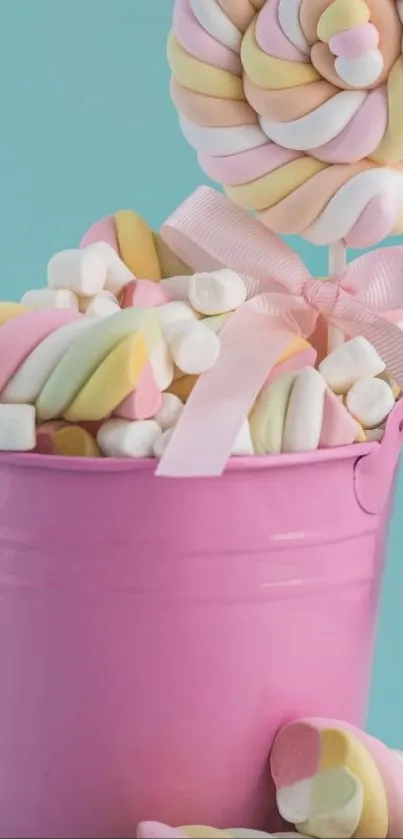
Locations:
136 245
114 379
8 311
200 77
390 150
268 72
268 190
74 441
268 414
342 15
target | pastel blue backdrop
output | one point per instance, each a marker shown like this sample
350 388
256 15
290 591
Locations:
88 128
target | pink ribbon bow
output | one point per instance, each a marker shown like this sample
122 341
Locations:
208 232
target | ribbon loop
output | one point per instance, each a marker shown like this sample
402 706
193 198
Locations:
208 230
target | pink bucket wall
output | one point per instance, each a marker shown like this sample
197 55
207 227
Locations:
154 633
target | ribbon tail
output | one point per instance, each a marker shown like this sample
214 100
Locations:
222 398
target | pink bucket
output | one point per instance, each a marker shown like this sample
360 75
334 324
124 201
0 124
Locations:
156 633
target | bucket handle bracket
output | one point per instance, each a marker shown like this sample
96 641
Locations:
374 473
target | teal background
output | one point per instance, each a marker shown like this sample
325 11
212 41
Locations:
87 128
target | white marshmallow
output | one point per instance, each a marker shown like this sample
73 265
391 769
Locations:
370 401
161 442
17 428
169 412
102 305
304 418
118 275
347 364
177 287
162 365
194 348
172 316
373 435
50 298
124 438
216 292
82 271
243 446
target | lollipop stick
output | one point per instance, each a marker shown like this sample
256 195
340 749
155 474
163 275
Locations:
337 264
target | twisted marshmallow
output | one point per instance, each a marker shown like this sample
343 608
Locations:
70 366
295 107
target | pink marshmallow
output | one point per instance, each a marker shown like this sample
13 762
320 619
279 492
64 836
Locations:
354 42
339 428
144 294
102 231
144 402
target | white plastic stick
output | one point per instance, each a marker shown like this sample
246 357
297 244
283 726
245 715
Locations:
337 264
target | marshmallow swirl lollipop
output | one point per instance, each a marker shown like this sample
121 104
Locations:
294 106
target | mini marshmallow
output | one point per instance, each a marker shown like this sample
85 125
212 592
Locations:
172 315
162 365
102 305
118 275
81 271
122 438
370 401
194 348
354 360
216 292
17 428
169 412
50 298
304 418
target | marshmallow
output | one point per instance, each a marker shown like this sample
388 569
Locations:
169 412
102 305
50 298
370 401
334 780
194 348
17 428
268 414
31 376
144 294
144 401
347 364
339 428
122 438
161 442
162 365
117 375
243 446
118 275
391 382
74 441
304 419
81 271
172 315
216 292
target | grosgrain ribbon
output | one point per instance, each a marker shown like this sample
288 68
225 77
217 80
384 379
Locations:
208 232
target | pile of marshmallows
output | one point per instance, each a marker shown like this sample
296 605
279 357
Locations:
346 399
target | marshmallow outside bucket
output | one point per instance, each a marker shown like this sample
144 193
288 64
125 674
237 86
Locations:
155 633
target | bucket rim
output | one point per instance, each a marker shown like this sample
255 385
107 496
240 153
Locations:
255 463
